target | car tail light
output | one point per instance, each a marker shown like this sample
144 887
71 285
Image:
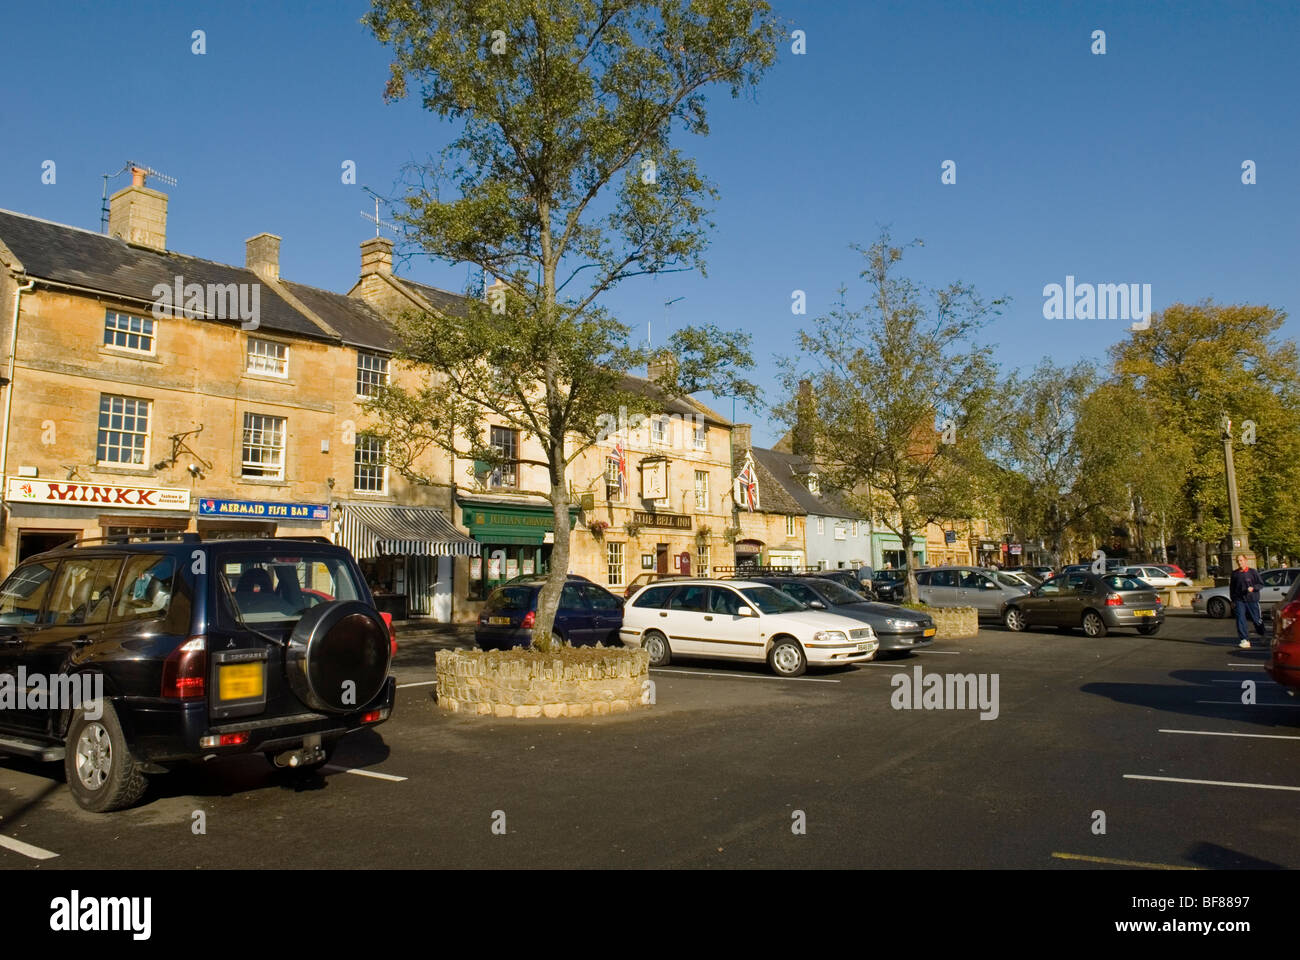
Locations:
374 716
1114 600
185 670
530 618
225 740
392 634
1286 618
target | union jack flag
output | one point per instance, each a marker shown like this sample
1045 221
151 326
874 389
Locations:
748 480
618 460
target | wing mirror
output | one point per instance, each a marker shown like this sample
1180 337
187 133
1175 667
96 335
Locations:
747 612
816 604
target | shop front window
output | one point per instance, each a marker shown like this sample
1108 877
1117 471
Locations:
499 564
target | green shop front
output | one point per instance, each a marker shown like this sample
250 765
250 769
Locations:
515 540
887 551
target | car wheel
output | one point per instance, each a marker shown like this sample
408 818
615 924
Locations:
1148 629
1014 619
556 639
101 772
1218 608
656 644
786 658
1093 624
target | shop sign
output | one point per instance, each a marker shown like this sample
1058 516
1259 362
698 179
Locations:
23 489
950 536
263 510
1015 548
654 479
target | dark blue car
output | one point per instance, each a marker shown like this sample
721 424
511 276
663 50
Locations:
588 614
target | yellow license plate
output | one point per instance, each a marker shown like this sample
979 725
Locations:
239 681
1144 613
930 632
499 621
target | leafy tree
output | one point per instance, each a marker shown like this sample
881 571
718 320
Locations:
1192 365
902 397
562 182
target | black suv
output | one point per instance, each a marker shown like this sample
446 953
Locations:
154 653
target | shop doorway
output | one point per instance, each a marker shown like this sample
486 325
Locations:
661 557
31 543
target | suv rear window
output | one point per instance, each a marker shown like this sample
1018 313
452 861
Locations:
23 593
268 588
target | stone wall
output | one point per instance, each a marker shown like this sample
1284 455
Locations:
583 683
954 623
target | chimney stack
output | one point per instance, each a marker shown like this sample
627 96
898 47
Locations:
740 437
662 365
377 256
803 442
262 255
138 214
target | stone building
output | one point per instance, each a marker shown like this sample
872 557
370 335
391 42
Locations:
148 392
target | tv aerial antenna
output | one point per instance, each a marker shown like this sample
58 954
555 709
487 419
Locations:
374 218
130 165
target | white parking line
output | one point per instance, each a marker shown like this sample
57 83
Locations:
26 849
1238 703
364 773
947 653
421 683
1253 666
1212 783
1222 733
744 676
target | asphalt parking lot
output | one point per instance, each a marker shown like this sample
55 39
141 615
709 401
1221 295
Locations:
1120 752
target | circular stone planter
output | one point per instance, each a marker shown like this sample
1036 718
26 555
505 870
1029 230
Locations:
571 682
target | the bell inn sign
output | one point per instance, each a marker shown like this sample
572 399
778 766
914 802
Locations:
25 490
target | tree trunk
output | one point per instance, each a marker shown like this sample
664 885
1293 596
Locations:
548 601
1202 563
909 593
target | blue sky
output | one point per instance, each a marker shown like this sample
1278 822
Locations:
1122 168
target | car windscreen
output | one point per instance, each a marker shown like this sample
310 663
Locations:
268 588
837 593
1007 580
771 600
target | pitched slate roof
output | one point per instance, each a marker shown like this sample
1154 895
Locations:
358 323
442 300
80 258
773 496
685 406
787 468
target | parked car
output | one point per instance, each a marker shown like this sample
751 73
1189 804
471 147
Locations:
1039 572
1017 577
588 614
1284 648
1098 603
1172 569
1156 576
642 579
849 580
897 628
1216 601
890 585
741 620
967 587
200 648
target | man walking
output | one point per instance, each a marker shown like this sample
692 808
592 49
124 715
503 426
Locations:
1244 593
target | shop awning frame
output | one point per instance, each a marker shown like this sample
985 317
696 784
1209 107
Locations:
373 530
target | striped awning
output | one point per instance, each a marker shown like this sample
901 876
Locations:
375 530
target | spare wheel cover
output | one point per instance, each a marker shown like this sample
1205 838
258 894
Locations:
333 644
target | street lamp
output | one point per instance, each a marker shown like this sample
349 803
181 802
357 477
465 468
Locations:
1240 539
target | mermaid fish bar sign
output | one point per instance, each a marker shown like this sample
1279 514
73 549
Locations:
263 509
26 490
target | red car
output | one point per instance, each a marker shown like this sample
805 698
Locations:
1174 569
1284 650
